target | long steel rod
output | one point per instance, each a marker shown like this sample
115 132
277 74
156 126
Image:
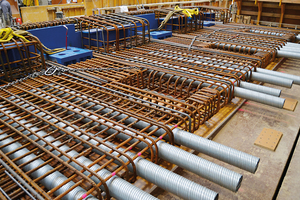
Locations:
10 176
21 180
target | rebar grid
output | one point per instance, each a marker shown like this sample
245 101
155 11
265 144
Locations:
235 66
127 76
261 58
263 31
237 44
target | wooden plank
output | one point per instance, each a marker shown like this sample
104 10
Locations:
246 12
271 5
293 6
290 104
247 3
268 138
270 14
292 16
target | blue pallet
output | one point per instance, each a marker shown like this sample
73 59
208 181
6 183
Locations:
71 56
161 34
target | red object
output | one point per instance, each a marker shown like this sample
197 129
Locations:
67 39
19 21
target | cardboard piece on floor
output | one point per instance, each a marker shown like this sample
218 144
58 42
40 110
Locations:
290 104
268 138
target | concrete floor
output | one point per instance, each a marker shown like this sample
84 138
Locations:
241 131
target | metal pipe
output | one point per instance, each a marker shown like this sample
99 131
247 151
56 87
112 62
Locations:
266 32
259 97
287 54
250 94
296 79
260 88
292 43
265 78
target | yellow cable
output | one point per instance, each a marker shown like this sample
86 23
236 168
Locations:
188 12
6 34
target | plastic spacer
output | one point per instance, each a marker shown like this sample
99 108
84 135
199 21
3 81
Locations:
112 174
160 137
139 154
175 125
84 196
130 148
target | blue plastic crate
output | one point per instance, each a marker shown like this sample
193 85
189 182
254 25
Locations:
160 34
71 56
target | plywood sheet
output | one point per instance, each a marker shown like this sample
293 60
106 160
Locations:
268 138
290 104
